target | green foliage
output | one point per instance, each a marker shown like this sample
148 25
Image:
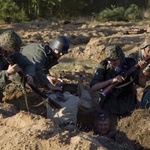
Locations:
133 13
120 14
9 9
112 14
21 10
20 17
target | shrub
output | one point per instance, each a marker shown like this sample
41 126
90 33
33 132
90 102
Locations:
133 13
120 14
10 12
112 14
20 17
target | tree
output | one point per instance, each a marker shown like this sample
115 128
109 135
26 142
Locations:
9 11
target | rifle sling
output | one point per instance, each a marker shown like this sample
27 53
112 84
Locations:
51 102
125 84
23 83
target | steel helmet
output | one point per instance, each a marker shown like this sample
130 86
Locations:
146 42
10 41
60 43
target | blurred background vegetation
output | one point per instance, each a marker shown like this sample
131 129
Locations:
12 11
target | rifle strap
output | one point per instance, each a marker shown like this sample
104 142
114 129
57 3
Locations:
23 81
51 102
25 92
43 102
125 84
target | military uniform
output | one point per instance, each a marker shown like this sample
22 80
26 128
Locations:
119 101
19 59
42 56
11 41
66 117
145 101
137 55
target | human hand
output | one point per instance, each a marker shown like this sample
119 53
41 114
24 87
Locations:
54 80
13 69
142 64
117 79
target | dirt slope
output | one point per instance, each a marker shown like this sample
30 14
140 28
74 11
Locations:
21 129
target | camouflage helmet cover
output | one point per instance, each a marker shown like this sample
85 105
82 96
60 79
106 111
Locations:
146 42
113 52
10 41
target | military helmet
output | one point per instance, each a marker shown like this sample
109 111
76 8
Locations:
101 115
10 41
60 43
146 42
113 52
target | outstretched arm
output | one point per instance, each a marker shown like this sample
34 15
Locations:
103 84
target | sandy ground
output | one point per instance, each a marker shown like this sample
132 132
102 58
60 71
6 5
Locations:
23 130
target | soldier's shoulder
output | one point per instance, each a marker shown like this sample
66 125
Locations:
103 64
130 61
134 55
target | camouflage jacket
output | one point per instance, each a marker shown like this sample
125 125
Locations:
17 58
120 100
42 58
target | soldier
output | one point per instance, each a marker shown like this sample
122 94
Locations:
44 56
141 54
11 60
102 125
66 117
122 99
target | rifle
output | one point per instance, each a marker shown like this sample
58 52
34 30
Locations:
51 102
103 93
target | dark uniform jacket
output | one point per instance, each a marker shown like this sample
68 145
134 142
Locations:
42 57
120 100
17 58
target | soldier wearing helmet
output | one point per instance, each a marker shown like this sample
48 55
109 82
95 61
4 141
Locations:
44 56
120 101
12 61
141 54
